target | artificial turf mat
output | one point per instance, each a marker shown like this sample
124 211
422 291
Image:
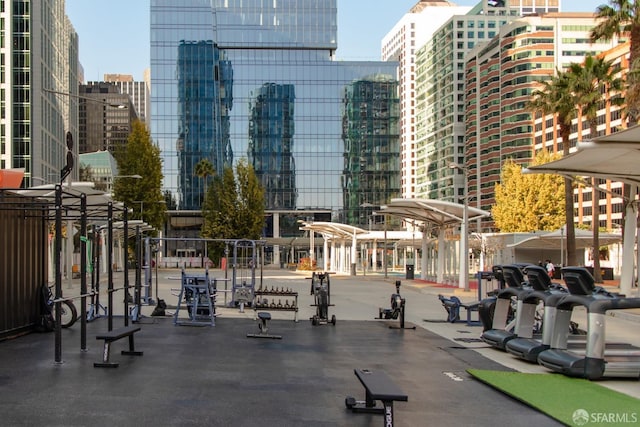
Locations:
572 401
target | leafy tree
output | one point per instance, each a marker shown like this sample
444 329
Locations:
622 18
556 97
590 80
234 207
531 202
141 157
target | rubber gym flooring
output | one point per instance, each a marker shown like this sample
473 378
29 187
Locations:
216 376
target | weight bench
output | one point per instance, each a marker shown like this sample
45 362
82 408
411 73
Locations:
378 386
453 305
112 336
264 318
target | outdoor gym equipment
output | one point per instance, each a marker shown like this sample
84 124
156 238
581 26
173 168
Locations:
378 386
595 363
244 273
502 327
264 318
198 293
397 309
321 291
453 304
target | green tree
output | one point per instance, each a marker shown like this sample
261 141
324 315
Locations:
531 202
234 207
141 157
622 18
556 97
203 170
590 80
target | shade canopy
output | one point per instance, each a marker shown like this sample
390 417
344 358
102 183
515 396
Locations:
333 230
554 240
96 201
615 157
437 212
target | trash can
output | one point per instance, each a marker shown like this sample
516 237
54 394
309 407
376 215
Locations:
409 275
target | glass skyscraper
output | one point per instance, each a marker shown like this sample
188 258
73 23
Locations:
253 79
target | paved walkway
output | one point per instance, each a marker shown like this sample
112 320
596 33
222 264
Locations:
217 376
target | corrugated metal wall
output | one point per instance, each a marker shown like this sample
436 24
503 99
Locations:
23 263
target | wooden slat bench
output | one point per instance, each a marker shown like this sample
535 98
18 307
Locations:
378 386
112 336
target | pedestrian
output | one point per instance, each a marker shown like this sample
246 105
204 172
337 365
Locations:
551 269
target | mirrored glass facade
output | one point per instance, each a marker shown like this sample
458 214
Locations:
256 80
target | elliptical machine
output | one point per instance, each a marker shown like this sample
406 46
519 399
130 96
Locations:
321 291
396 311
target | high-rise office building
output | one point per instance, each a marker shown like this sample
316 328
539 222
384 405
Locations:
40 57
500 78
276 83
105 117
138 91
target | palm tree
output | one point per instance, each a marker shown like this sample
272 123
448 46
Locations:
556 97
204 169
622 18
590 81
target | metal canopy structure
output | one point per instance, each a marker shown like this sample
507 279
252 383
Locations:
555 240
96 201
615 157
335 233
438 213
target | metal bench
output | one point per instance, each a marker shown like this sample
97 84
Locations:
112 336
378 386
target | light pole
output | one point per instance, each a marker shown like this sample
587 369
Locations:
464 236
87 98
142 205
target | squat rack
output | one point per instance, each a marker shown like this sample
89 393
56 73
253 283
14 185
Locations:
74 201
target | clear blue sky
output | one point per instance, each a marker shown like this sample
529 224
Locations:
114 35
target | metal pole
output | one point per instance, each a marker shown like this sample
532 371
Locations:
83 269
384 253
126 266
58 274
110 265
464 255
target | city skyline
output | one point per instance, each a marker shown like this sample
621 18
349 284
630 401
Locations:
111 44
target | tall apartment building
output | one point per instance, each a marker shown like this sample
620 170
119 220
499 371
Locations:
105 117
40 57
401 44
607 203
440 93
269 52
500 77
139 91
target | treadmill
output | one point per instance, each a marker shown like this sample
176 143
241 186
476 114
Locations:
595 363
525 346
502 329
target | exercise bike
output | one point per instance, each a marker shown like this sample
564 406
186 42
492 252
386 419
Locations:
321 290
396 311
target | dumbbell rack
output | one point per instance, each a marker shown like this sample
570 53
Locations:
275 297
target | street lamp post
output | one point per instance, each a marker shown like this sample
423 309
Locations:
464 226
